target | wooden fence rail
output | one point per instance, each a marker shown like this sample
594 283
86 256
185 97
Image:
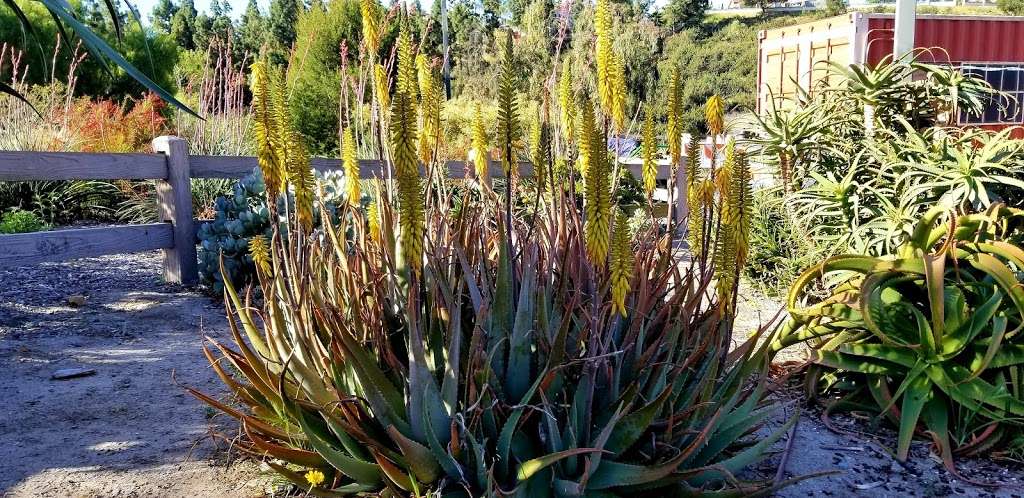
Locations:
173 168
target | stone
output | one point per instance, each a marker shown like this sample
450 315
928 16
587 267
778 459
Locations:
72 373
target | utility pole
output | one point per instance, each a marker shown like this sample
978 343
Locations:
446 72
903 35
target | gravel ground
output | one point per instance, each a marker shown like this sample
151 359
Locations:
131 430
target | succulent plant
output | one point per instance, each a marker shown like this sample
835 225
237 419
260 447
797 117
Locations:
244 215
485 352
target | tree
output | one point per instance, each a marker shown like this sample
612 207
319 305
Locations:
837 7
183 27
761 4
1012 7
252 29
681 14
163 13
283 16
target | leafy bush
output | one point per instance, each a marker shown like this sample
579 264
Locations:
779 247
858 180
18 221
1012 7
62 202
418 349
240 217
237 219
926 336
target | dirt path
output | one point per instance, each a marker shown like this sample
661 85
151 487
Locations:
127 430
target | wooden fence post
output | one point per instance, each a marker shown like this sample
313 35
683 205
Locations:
174 198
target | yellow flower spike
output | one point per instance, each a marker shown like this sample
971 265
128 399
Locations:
597 196
407 173
714 115
350 163
508 119
406 64
315 478
621 263
618 87
675 117
481 153
265 129
567 103
649 151
587 144
260 252
603 56
373 220
695 194
380 82
431 96
371 28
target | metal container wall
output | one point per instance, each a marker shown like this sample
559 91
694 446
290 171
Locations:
963 38
797 55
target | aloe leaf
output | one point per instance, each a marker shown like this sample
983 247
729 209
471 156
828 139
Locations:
300 481
634 424
517 379
745 458
502 311
385 400
505 439
290 455
421 460
447 462
917 393
900 356
617 474
528 468
936 419
360 471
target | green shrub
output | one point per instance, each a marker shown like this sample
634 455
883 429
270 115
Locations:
779 247
240 217
927 336
1012 7
237 218
18 221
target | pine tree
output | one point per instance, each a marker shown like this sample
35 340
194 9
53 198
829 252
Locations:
252 29
162 15
283 16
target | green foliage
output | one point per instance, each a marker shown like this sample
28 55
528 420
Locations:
835 7
62 202
283 20
45 63
681 14
316 80
1011 7
867 176
927 335
237 219
779 247
18 221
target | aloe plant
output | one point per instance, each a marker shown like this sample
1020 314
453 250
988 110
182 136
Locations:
928 335
422 349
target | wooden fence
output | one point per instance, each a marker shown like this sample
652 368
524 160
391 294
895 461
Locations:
173 168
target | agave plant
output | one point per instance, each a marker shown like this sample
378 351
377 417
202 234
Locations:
418 349
927 336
